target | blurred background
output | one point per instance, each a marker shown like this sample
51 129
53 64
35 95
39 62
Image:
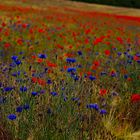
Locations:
121 3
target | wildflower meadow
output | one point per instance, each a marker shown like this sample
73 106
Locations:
68 73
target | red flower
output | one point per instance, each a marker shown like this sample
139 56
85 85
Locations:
39 60
34 79
86 41
41 82
3 24
107 52
19 41
87 31
24 25
103 92
0 29
7 45
120 40
96 63
50 64
135 98
136 58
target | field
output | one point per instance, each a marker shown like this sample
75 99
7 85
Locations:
69 71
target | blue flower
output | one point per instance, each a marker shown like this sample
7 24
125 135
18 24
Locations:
92 78
43 56
49 111
70 60
138 61
71 70
7 89
54 93
12 117
26 106
119 53
18 62
23 89
75 99
19 109
138 54
79 53
49 81
46 69
34 93
103 112
93 106
14 58
125 76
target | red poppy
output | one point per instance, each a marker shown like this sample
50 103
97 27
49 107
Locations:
50 64
86 41
120 40
24 25
136 58
135 98
3 24
103 92
0 29
34 79
107 52
41 82
87 31
19 41
97 41
129 79
7 45
39 60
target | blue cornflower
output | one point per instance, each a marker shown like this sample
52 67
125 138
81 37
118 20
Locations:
71 60
16 74
7 89
23 89
93 106
12 65
92 78
12 117
49 81
119 53
76 78
20 53
54 93
14 58
79 53
75 99
46 69
138 61
34 93
18 62
63 88
71 70
125 76
138 54
26 106
125 53
79 66
103 112
49 111
19 109
43 56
